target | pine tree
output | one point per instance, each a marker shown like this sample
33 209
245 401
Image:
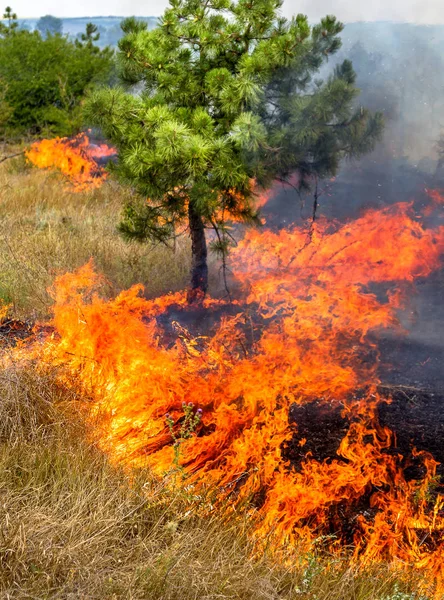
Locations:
89 38
228 102
11 22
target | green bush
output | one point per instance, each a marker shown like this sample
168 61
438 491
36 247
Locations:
43 80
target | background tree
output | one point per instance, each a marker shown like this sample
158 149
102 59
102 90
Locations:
11 22
43 81
90 37
229 101
50 25
5 108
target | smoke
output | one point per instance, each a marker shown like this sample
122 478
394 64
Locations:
410 11
400 72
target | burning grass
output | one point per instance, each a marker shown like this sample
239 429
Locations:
296 333
76 158
71 525
300 333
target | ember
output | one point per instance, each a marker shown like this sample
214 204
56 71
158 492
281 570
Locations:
76 158
297 344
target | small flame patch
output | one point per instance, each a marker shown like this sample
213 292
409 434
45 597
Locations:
77 158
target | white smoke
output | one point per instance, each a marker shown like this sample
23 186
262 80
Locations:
411 11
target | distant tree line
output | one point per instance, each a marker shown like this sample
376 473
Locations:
44 76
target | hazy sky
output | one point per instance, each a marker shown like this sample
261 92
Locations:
414 11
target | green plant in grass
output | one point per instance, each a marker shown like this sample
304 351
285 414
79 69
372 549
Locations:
43 79
188 425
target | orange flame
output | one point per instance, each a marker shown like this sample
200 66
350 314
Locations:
312 310
75 158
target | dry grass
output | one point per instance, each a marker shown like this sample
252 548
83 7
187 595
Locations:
71 525
45 229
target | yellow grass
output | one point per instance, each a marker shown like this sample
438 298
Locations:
45 228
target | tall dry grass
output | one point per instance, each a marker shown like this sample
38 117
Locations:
46 228
73 526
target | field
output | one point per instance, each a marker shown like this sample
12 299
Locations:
46 228
71 524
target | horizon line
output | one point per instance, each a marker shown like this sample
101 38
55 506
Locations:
388 21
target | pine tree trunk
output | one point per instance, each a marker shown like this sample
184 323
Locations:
199 266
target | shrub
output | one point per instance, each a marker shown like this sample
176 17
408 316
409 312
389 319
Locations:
43 80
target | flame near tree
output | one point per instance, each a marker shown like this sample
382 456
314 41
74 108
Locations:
307 339
76 158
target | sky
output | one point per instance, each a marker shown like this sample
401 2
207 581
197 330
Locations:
413 11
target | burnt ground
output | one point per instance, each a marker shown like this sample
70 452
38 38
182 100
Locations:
416 418
411 363
14 330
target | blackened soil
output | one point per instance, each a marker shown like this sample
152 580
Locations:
416 418
14 330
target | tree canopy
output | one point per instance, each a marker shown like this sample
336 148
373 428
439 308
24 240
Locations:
43 79
229 101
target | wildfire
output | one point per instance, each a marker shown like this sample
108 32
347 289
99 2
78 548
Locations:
299 333
76 158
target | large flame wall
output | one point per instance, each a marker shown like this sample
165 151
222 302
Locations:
300 333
